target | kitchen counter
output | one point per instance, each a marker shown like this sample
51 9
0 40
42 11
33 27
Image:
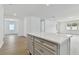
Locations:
57 38
48 44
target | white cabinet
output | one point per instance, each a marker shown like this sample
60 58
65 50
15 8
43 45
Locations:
39 45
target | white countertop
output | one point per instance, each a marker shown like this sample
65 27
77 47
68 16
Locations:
57 38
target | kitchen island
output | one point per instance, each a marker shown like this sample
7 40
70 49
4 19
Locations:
48 44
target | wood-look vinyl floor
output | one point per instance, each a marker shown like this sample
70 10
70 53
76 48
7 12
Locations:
14 46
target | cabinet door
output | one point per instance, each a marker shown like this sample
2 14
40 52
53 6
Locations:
30 44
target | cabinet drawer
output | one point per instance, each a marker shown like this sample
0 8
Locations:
36 52
44 50
47 46
47 43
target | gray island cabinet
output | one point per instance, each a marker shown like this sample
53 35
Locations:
48 44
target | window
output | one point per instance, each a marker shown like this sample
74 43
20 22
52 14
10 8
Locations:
11 27
68 27
72 26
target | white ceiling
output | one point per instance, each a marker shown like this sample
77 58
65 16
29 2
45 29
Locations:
42 10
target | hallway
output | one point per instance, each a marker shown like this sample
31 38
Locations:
14 45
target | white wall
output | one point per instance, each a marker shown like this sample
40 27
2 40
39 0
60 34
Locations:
35 24
62 28
31 25
25 26
1 22
6 25
50 26
19 28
